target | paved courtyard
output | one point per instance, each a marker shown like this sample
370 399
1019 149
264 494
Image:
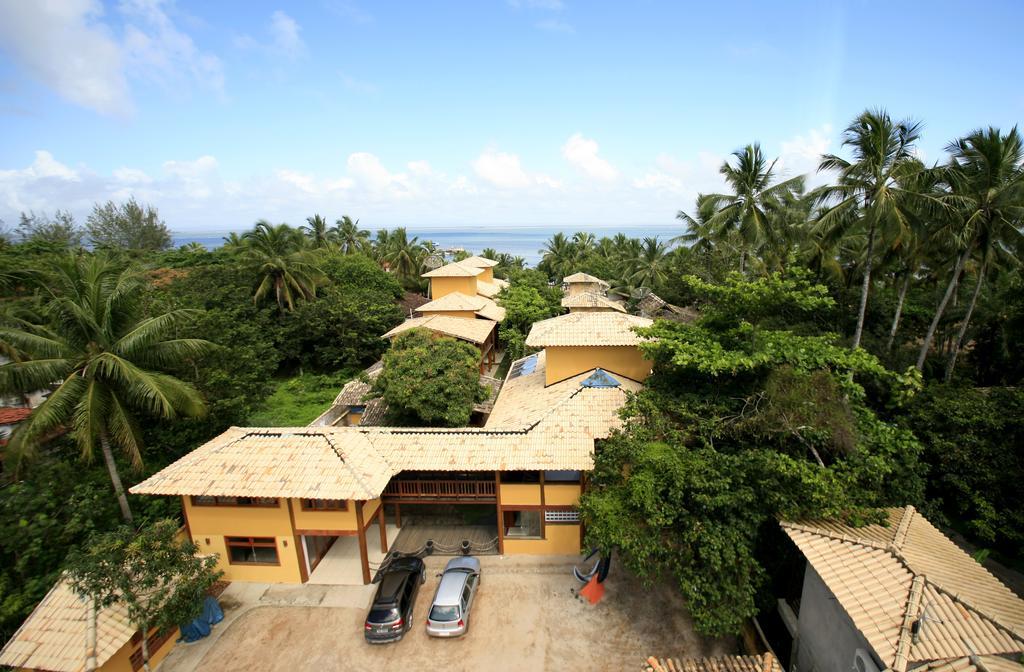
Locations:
525 618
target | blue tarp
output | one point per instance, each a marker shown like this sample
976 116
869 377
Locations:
201 625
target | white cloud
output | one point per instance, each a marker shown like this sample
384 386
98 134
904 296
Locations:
582 153
65 45
285 33
198 179
131 176
800 155
419 168
501 169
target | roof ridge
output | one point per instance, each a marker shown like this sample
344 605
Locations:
837 536
902 657
355 474
956 597
900 536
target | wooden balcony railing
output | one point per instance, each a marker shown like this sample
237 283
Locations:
441 490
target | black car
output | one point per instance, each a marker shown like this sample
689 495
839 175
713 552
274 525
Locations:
391 612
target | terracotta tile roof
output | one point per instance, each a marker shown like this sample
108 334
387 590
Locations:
889 578
972 664
13 415
587 329
584 278
491 311
763 663
53 637
525 399
489 289
454 270
479 262
464 328
454 301
592 300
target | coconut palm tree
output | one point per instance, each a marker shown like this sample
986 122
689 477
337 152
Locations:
584 242
986 182
350 238
193 247
559 256
320 236
869 193
404 256
284 266
749 210
381 245
650 267
107 361
233 242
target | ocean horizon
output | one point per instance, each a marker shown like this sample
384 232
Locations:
523 241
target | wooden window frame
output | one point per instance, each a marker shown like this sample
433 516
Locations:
253 502
309 504
251 543
514 508
154 642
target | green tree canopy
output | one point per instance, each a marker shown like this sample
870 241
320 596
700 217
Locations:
430 380
129 225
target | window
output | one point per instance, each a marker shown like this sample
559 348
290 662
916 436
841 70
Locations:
324 505
520 477
561 477
204 500
523 524
252 550
568 516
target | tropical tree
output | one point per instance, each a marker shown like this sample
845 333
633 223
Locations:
651 266
559 256
404 256
351 239
284 267
381 244
869 194
318 233
233 242
107 361
584 243
986 181
749 210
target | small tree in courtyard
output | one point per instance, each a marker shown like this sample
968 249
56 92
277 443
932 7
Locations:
158 578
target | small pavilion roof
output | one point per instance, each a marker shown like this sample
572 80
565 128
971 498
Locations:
454 270
479 262
463 328
592 300
587 329
585 278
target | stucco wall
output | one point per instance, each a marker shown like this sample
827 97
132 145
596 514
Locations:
324 520
520 493
827 636
122 660
558 540
561 495
565 362
444 286
487 275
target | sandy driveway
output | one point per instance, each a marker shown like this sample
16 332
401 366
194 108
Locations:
525 618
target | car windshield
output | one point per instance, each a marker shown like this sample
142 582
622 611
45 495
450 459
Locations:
382 615
441 612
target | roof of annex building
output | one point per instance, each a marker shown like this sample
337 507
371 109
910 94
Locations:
762 663
914 594
54 636
525 399
587 329
584 278
592 300
457 301
464 328
490 289
357 462
479 262
456 269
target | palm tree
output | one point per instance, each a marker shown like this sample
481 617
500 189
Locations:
319 234
749 209
108 363
869 193
650 266
381 245
584 242
491 253
193 247
350 237
986 182
404 256
284 266
233 242
559 255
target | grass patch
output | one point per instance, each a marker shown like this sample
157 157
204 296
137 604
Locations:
297 401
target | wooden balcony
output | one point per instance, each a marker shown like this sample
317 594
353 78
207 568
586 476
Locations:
440 491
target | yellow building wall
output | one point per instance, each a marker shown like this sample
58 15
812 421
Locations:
520 493
452 313
210 524
565 362
122 660
561 495
353 419
444 286
487 275
558 540
325 520
370 507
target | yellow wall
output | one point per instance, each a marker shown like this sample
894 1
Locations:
353 419
444 286
558 540
561 495
520 493
324 520
487 275
122 660
370 509
213 523
452 313
565 362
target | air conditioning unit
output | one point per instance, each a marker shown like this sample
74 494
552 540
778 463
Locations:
862 662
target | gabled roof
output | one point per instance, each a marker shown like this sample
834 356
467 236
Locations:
464 328
592 300
491 311
889 578
479 262
584 278
587 329
454 301
763 663
490 289
53 637
11 415
454 270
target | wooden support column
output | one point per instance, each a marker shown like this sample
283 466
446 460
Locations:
398 515
363 555
501 514
383 529
300 548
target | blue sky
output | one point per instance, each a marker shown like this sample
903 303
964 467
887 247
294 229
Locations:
542 112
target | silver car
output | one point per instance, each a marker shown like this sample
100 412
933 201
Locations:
449 612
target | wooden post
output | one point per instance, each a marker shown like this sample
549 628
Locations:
300 550
383 528
363 556
501 514
398 515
